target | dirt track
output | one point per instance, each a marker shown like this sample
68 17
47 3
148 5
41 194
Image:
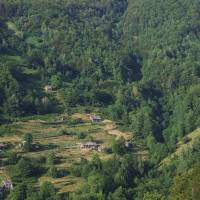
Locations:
111 128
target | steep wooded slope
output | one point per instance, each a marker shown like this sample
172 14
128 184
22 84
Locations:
137 59
143 56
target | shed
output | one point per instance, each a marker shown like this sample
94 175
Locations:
89 145
95 118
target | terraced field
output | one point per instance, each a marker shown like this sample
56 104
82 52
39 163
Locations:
58 136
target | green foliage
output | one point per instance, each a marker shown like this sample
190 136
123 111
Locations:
118 146
118 194
117 112
12 158
112 178
28 139
137 60
51 159
19 193
116 67
81 135
186 186
55 81
47 191
25 168
27 192
153 196
53 172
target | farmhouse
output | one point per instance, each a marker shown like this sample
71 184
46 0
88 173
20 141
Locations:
91 146
95 118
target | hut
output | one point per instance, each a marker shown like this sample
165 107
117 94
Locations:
89 145
94 118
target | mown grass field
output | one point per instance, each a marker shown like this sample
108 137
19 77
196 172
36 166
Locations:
60 137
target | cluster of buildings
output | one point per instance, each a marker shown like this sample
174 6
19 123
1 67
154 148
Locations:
97 147
91 146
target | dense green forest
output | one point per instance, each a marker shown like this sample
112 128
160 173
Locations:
138 60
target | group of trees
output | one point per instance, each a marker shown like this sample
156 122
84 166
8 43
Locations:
122 177
27 192
75 57
24 173
113 179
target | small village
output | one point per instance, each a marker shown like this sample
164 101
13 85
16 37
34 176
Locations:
99 99
98 135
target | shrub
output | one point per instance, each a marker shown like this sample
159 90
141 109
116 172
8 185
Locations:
186 140
63 132
12 158
72 122
53 172
81 135
118 146
51 159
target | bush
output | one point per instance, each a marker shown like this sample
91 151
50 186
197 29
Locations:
12 158
25 168
118 146
81 135
63 132
53 172
51 159
91 138
73 122
28 138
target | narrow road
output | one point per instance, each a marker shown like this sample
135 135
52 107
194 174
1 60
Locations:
111 128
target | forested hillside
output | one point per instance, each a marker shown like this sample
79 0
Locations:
136 60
